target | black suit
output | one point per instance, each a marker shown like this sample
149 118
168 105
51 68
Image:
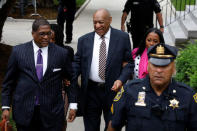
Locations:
66 12
118 52
22 81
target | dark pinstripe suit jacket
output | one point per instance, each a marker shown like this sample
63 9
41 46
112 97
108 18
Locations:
22 81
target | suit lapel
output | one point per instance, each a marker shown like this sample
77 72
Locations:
90 46
30 60
49 60
112 45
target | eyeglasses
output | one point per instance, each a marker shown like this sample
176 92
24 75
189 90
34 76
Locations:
42 34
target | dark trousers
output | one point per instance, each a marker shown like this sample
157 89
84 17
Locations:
67 16
98 102
37 125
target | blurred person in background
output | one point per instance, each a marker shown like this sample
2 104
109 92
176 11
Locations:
66 12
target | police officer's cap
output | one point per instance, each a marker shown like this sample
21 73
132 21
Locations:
162 54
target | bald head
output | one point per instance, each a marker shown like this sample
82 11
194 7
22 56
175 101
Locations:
102 20
102 11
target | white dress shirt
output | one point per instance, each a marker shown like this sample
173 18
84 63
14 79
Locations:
44 55
94 69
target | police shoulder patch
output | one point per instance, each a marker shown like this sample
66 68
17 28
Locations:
119 94
112 109
195 97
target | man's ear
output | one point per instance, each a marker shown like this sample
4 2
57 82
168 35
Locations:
33 34
148 65
174 69
110 19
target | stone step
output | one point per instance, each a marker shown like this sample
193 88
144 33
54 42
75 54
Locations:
189 26
189 8
168 38
194 15
177 33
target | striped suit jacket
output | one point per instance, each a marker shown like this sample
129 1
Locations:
21 84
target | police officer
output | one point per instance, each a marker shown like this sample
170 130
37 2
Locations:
158 102
141 18
66 12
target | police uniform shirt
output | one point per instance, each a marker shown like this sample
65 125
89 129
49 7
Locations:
142 12
174 110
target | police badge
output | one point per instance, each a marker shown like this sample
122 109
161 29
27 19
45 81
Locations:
141 99
174 103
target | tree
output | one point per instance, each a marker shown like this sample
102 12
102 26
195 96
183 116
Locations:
4 11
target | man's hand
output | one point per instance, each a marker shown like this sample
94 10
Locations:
6 114
110 128
162 30
71 115
117 86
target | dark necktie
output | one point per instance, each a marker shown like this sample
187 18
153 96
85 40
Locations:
102 59
39 72
39 65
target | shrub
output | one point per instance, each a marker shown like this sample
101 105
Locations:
186 65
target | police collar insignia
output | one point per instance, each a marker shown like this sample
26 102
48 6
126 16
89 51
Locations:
119 94
141 99
195 97
174 103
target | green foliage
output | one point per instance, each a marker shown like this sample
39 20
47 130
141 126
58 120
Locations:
56 2
186 65
180 4
79 2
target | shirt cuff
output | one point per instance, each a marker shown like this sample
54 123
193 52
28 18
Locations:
73 106
5 107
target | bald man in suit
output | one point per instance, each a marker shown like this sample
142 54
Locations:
99 61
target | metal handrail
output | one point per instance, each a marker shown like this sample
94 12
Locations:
170 14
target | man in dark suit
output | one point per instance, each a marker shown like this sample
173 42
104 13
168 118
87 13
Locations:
66 12
99 61
33 82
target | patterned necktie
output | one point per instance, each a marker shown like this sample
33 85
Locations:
102 59
39 65
39 72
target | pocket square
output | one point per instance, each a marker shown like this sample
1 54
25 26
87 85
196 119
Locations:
56 69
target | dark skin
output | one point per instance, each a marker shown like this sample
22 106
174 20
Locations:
101 21
160 76
42 36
